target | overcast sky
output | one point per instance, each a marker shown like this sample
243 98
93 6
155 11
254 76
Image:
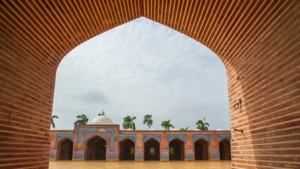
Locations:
139 68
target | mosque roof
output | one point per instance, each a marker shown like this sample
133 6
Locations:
102 119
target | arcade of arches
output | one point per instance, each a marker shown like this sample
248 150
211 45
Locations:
96 149
64 149
127 150
202 148
176 149
257 40
225 153
152 150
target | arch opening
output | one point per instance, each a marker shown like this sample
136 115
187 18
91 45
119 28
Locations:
225 149
64 149
96 149
201 150
176 150
151 150
127 150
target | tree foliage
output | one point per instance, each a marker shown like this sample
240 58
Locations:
184 129
147 120
81 119
202 124
52 121
167 125
128 122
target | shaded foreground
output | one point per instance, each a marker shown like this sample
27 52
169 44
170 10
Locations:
139 165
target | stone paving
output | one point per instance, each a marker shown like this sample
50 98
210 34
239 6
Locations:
140 165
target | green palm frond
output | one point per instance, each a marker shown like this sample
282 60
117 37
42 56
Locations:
148 120
54 117
52 121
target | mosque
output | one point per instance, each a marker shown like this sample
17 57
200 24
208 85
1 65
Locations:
103 140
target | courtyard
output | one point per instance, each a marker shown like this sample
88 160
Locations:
138 165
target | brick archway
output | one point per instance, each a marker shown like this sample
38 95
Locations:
258 42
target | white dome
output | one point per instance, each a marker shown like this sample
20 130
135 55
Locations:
219 129
152 129
128 129
102 119
174 129
198 129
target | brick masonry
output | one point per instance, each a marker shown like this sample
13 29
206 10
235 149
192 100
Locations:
258 42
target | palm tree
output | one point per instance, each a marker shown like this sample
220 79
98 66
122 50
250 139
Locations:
52 121
202 125
184 129
128 122
82 119
148 120
167 125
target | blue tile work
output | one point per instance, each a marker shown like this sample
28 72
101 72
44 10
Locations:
131 136
81 129
112 136
60 136
79 155
112 155
138 155
88 135
190 155
215 154
172 136
164 155
156 136
52 154
221 136
197 136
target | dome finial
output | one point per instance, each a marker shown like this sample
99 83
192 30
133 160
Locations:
103 112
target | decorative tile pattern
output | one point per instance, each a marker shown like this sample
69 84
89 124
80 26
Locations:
79 155
60 136
221 136
112 155
52 154
131 136
215 154
190 155
156 136
138 155
164 155
172 136
81 129
112 136
197 136
88 135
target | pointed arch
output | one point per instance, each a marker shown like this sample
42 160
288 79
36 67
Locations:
151 149
202 149
64 149
126 148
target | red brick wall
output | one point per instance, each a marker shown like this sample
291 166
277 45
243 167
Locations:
257 41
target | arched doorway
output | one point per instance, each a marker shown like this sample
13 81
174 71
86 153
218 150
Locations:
225 152
151 149
176 150
96 149
255 39
127 150
201 150
64 150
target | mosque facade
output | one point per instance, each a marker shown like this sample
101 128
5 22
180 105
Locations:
103 140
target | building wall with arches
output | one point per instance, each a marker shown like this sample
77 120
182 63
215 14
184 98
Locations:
258 42
114 136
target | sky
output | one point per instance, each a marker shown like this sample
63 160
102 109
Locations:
139 68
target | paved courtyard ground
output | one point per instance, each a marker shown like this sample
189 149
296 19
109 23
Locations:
140 165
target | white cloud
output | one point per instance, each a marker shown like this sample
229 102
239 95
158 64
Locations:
139 68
